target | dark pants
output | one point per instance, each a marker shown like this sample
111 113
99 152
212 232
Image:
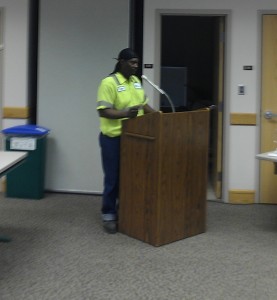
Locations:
110 153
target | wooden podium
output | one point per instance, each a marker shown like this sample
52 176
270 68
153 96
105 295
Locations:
163 177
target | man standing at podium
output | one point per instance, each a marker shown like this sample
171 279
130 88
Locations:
120 96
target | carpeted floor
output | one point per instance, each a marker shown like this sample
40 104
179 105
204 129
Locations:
59 251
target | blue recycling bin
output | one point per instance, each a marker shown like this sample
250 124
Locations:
27 180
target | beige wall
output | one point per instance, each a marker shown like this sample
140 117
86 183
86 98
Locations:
78 43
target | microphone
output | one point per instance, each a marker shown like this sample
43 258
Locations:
209 108
160 91
212 107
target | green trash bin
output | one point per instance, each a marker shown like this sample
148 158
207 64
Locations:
27 180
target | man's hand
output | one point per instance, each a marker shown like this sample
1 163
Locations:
110 113
132 112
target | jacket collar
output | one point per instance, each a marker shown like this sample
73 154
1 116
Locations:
123 79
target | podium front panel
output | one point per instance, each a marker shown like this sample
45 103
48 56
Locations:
139 177
163 183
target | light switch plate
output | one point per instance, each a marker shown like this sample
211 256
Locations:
241 89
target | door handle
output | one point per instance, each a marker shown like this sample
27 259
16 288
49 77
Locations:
269 115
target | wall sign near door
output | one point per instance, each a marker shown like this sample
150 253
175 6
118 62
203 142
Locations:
248 68
148 66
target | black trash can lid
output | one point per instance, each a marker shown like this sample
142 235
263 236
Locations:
26 130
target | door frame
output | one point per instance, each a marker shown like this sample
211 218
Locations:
226 74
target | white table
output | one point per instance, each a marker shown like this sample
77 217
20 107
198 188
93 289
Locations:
8 161
270 157
267 156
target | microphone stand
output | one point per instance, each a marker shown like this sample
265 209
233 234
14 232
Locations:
170 102
160 91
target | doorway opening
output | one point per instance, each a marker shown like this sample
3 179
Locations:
192 68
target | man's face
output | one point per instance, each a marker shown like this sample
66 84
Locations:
130 67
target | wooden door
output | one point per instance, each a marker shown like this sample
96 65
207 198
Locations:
1 71
268 181
217 114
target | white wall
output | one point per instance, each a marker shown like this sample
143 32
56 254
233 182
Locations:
78 41
242 48
15 59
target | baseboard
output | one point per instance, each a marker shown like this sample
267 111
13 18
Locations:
241 196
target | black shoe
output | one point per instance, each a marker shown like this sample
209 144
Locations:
110 226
